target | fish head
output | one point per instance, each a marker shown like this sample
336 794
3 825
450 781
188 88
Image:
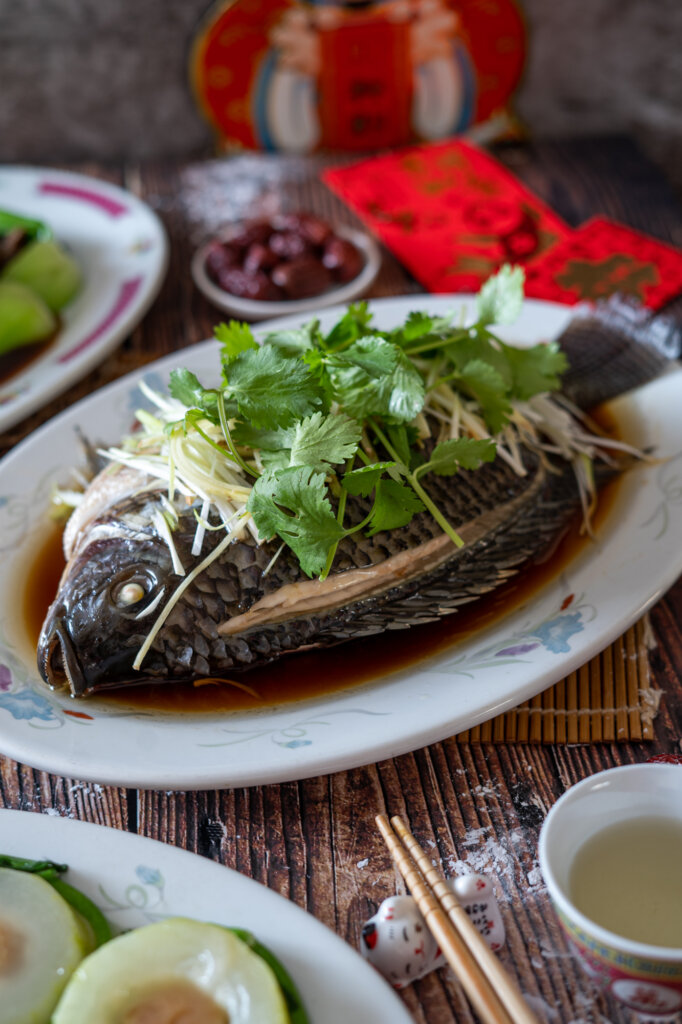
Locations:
108 599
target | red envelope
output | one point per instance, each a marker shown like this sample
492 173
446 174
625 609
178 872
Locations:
601 258
450 213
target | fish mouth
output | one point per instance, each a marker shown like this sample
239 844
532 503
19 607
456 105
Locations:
58 663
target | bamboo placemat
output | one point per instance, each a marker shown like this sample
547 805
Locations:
610 699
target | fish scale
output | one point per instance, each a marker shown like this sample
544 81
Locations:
236 616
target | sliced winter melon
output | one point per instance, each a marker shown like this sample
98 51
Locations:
174 970
42 942
24 317
45 268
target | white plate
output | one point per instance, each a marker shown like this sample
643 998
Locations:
121 248
136 881
635 558
250 309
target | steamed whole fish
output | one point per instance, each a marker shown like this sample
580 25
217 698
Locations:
253 603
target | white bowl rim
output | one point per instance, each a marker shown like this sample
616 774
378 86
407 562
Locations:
633 948
254 309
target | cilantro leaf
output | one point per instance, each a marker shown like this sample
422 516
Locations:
501 297
363 481
263 440
272 390
321 441
394 506
535 369
488 388
296 340
402 438
317 441
352 325
460 452
185 386
234 337
375 378
420 326
479 346
293 504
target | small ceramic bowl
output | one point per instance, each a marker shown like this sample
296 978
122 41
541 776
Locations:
646 978
252 309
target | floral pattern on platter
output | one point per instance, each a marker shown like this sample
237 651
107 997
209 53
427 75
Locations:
292 736
18 697
669 483
146 896
552 634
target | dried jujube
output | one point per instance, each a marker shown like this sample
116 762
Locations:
291 256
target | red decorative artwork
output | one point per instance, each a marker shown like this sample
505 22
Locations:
355 74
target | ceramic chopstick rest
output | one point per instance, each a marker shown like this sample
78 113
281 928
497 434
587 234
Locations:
398 943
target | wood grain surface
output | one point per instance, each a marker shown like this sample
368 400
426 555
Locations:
315 841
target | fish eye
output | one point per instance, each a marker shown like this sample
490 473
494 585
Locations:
128 592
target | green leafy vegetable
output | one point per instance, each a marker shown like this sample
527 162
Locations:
363 481
321 441
234 337
353 324
458 453
293 504
270 389
486 385
297 340
33 228
501 297
394 506
185 386
535 369
373 377
316 418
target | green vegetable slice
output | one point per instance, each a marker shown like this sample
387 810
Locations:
42 941
134 968
49 271
24 318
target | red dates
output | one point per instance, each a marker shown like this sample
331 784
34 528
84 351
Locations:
292 256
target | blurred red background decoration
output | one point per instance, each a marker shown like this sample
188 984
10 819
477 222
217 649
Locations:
356 74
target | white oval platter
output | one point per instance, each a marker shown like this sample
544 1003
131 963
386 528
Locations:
136 881
636 556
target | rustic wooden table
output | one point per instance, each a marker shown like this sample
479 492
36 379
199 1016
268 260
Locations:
315 841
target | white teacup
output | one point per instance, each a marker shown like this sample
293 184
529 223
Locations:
647 978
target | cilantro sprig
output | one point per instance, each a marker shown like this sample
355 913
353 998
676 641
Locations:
315 417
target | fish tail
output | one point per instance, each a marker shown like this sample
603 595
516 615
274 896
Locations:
615 346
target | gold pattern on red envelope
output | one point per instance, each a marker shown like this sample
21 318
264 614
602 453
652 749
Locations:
601 258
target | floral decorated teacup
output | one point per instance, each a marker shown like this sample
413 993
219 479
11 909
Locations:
647 978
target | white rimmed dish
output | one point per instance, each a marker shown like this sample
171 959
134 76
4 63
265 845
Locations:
136 881
636 556
122 250
647 978
251 309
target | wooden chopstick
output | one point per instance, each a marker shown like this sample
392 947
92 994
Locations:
488 987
